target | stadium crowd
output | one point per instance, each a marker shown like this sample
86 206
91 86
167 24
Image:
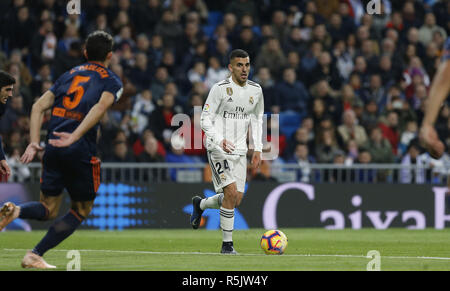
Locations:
349 87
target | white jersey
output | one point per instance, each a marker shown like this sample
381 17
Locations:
227 113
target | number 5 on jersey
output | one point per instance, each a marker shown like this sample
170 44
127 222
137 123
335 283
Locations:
75 87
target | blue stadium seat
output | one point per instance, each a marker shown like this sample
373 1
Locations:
208 30
215 18
289 123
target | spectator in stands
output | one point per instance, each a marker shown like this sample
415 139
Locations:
20 30
326 146
295 42
169 29
427 29
375 91
348 97
150 153
161 118
351 130
11 115
292 94
247 41
177 155
222 51
302 158
121 153
142 109
352 152
322 90
411 158
362 175
271 56
64 61
379 147
141 73
301 136
280 28
19 171
158 85
388 74
326 69
344 61
265 80
216 73
390 130
409 134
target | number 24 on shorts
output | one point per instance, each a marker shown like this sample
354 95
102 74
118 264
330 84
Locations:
219 166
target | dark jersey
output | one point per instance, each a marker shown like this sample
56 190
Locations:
76 92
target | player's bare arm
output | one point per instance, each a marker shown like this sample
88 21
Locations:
438 92
44 103
91 119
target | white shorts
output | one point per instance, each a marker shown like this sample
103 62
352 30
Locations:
227 169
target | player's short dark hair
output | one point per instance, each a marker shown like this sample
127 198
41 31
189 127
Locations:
98 45
238 53
6 79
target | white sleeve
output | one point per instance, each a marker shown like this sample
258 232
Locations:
209 112
257 122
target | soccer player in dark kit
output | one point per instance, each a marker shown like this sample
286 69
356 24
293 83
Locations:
78 100
6 89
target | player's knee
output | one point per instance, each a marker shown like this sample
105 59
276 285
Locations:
52 211
84 210
52 214
231 194
238 201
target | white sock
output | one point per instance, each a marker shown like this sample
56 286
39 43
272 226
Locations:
227 223
212 202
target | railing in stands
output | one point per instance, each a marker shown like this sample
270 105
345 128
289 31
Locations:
308 173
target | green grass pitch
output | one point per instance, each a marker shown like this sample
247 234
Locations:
189 250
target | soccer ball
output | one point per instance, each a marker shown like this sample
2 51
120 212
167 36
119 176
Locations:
274 242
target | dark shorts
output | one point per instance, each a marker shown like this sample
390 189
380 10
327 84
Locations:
79 174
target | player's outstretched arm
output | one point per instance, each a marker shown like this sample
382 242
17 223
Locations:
37 114
92 118
439 90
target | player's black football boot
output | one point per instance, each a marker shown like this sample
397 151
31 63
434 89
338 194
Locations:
227 248
197 212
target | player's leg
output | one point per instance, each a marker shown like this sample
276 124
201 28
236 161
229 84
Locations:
60 230
227 217
46 208
233 195
51 205
218 166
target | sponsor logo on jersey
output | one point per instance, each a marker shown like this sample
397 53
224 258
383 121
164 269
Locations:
229 91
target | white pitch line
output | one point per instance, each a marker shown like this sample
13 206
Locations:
202 253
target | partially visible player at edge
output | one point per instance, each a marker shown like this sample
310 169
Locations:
439 91
231 106
6 89
78 100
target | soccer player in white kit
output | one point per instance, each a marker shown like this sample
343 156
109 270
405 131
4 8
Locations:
232 105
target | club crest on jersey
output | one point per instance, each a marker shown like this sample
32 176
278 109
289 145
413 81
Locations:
251 100
229 91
